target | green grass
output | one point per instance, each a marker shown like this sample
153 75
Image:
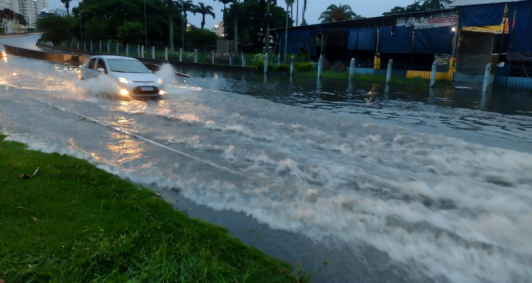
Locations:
75 223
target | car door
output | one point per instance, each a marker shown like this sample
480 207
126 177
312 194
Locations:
90 72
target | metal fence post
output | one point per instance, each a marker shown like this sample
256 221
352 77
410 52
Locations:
77 45
91 45
433 75
84 45
389 71
153 52
279 58
100 46
180 54
265 63
127 49
230 60
117 48
351 68
166 53
487 77
320 62
108 47
212 56
243 59
195 55
292 66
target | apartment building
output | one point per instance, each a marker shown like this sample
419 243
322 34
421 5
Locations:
30 9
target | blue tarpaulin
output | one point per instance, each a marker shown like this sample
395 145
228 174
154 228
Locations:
433 40
482 15
297 40
352 39
366 39
520 16
400 42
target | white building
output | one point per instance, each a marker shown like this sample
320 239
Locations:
219 29
30 9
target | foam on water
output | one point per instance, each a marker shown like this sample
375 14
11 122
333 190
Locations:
457 208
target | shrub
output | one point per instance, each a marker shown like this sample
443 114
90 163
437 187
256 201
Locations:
202 37
257 57
259 66
338 66
283 68
222 58
2 30
303 67
129 32
188 56
326 65
55 29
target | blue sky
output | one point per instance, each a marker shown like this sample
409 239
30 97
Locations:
314 9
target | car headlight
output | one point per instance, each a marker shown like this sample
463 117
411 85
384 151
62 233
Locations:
160 81
123 80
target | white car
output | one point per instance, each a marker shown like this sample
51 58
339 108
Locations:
132 78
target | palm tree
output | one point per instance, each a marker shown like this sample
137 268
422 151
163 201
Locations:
67 5
288 3
337 13
204 10
188 6
235 19
303 22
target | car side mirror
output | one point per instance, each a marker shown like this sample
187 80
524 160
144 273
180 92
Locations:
101 70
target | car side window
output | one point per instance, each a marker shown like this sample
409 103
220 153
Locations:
101 64
91 63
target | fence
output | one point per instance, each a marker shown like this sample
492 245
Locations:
514 76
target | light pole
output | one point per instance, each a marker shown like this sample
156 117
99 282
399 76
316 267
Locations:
145 27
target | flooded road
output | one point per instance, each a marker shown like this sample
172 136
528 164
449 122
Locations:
439 182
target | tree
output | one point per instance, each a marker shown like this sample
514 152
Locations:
96 29
204 10
427 5
67 5
55 28
288 3
169 5
303 22
202 37
267 24
337 13
21 20
234 6
129 32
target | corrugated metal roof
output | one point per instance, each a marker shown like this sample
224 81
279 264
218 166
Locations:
457 3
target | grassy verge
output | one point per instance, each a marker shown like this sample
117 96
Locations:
75 223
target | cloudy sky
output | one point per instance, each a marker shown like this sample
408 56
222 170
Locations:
314 8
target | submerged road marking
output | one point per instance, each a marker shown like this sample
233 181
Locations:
147 140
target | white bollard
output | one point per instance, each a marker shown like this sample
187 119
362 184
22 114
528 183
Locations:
138 51
91 45
389 71
292 66
487 78
433 75
84 46
100 46
279 58
180 54
117 48
153 52
351 68
212 56
166 53
142 51
127 49
320 63
230 60
108 47
195 55
243 59
265 64
77 45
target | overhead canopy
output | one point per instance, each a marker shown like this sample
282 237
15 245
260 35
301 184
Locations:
366 39
352 39
433 40
458 3
482 15
400 42
520 14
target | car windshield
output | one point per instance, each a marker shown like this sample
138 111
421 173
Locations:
127 66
